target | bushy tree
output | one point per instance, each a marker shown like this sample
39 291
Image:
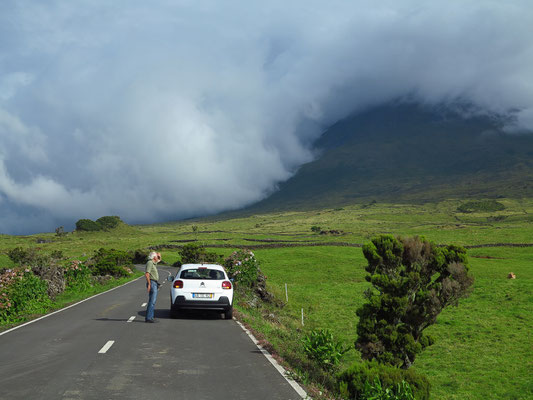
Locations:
87 225
102 223
413 280
108 222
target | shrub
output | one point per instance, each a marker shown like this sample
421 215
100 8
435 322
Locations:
192 253
77 275
87 225
111 262
370 380
108 222
22 293
316 228
243 267
375 391
140 256
320 345
57 255
481 206
17 255
30 256
415 280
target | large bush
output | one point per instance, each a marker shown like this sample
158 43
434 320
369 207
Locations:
413 280
371 380
243 267
108 222
87 225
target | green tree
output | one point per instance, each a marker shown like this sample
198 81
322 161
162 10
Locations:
108 222
413 280
87 225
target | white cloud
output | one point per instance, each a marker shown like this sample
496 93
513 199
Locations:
163 109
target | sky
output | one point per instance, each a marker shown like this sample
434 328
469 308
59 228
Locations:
163 110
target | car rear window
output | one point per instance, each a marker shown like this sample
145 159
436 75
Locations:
202 273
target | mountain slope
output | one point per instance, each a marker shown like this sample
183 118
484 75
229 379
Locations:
409 153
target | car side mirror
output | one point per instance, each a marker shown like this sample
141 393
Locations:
170 278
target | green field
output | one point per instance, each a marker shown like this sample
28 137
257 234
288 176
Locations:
484 347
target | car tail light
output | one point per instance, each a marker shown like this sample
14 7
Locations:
178 284
226 285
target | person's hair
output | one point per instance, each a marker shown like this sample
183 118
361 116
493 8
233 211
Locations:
152 255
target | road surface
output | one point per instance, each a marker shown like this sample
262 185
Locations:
102 349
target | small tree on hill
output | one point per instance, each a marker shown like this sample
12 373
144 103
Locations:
413 280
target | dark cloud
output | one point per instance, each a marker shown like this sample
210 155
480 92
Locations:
163 110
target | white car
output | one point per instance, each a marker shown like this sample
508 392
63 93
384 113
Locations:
201 287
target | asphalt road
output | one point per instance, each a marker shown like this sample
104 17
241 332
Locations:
202 356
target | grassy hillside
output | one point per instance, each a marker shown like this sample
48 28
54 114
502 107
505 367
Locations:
409 153
483 347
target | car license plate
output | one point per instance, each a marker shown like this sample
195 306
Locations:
202 295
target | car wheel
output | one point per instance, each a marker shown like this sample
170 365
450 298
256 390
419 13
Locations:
228 314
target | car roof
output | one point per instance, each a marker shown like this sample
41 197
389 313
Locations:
210 266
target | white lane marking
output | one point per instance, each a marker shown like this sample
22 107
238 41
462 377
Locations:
143 305
280 369
106 347
66 308
131 318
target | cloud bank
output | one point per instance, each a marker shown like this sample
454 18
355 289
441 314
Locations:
164 110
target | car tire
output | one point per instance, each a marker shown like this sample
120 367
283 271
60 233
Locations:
228 314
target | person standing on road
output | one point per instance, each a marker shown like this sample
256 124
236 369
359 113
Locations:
152 277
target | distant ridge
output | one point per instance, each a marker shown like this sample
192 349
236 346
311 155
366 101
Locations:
407 152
